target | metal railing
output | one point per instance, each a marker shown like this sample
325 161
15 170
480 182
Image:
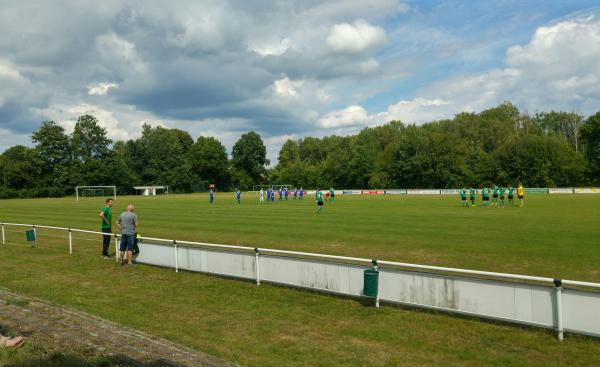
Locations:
404 283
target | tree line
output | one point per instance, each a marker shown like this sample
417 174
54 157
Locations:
500 145
59 161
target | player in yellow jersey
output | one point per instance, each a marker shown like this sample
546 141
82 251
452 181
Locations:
521 194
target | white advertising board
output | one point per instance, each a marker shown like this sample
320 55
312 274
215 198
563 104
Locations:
560 190
587 190
423 192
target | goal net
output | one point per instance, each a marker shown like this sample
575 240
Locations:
95 191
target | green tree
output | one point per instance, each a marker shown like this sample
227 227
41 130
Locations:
159 158
208 158
539 161
590 137
54 151
88 139
52 144
19 168
565 124
249 155
289 153
117 169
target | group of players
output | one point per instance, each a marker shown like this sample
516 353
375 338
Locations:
498 196
298 194
283 193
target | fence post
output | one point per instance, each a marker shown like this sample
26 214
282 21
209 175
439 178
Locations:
257 257
176 257
70 242
559 318
34 236
376 267
3 238
116 246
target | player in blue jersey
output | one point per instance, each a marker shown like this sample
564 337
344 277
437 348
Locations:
238 195
301 193
212 196
295 193
286 193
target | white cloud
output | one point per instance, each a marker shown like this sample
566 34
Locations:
119 54
277 67
8 71
100 89
203 33
350 116
8 139
369 66
323 95
121 124
415 110
355 38
276 49
558 69
286 87
114 48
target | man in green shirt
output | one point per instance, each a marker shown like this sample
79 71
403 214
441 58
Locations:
106 215
472 193
332 192
502 195
319 196
511 195
495 196
463 197
485 196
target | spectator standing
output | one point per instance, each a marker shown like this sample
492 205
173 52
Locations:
128 223
106 215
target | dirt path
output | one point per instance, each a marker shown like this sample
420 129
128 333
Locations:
65 330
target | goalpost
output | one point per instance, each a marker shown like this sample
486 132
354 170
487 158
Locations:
84 190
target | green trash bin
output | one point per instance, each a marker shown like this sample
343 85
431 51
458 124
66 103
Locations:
371 283
30 235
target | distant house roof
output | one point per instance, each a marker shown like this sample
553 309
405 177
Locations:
148 187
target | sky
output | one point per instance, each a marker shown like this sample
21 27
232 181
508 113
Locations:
289 69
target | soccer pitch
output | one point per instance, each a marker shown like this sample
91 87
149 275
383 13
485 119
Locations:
552 236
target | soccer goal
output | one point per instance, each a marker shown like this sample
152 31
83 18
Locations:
95 191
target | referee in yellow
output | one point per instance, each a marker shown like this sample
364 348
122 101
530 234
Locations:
521 194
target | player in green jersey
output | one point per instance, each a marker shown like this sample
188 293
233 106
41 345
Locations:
495 196
463 197
502 195
319 196
472 193
332 194
485 196
511 195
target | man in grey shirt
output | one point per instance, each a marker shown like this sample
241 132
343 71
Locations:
128 223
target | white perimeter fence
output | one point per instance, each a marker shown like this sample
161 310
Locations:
528 190
562 305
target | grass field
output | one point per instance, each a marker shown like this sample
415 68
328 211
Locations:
554 236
